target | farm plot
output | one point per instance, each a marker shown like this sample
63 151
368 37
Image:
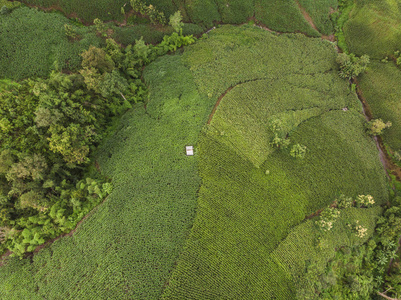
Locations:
380 89
32 41
278 15
251 194
87 10
374 28
320 12
128 246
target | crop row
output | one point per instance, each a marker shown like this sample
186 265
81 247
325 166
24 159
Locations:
249 199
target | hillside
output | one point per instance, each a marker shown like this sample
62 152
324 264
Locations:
293 191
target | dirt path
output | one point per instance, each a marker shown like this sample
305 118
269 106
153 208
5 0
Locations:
306 16
385 158
218 103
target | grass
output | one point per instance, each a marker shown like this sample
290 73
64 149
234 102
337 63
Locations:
252 195
28 52
128 246
378 85
374 28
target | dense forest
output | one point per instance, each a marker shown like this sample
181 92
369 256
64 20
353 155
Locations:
294 188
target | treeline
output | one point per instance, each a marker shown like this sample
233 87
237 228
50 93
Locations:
48 130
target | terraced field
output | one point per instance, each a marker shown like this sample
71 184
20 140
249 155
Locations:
379 89
128 246
252 194
26 52
285 16
374 28
226 223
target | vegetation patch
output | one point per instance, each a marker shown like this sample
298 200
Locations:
32 41
284 16
85 10
129 246
374 28
384 100
320 12
253 194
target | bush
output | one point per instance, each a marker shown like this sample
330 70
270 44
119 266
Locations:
351 66
298 151
344 202
376 126
4 10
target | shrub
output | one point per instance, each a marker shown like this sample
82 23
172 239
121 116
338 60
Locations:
155 16
376 126
4 10
344 202
100 27
327 218
298 151
364 201
176 22
69 31
351 66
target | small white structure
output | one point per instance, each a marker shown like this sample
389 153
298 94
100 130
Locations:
190 150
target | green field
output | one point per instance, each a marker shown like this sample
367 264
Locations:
252 195
278 15
128 246
86 10
379 89
27 52
320 12
374 28
230 222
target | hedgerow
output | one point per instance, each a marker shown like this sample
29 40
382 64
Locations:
252 194
129 34
340 18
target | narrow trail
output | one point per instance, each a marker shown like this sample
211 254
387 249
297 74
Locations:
306 16
309 19
385 158
218 103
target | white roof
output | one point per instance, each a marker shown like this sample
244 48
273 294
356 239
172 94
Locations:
190 150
